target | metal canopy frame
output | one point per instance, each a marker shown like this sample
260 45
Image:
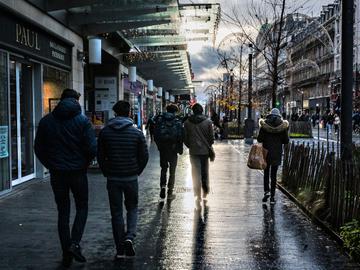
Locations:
159 27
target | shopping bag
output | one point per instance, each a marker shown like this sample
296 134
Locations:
257 157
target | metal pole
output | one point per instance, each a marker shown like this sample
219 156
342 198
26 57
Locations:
347 42
250 84
249 123
240 86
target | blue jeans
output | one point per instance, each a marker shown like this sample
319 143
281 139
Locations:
118 190
62 182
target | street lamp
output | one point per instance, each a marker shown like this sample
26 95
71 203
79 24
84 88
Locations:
249 123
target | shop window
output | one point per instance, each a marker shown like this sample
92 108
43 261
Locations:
4 124
55 81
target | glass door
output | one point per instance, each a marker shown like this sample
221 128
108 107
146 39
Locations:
22 121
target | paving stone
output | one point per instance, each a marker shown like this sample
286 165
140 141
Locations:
231 231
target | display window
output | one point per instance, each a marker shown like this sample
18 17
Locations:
55 81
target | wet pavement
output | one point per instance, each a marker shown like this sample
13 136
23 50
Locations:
231 231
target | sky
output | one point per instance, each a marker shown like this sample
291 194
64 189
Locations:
204 60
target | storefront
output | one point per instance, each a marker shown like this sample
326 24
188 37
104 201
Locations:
35 66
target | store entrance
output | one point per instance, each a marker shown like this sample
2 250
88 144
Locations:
22 121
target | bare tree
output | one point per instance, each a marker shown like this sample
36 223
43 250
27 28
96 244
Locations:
267 25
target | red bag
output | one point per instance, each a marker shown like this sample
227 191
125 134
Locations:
257 157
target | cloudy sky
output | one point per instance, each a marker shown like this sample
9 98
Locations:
204 60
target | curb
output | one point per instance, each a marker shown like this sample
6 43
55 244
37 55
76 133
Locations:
315 219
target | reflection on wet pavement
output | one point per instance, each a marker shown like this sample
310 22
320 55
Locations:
232 230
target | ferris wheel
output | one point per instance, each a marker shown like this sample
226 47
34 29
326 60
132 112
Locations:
233 51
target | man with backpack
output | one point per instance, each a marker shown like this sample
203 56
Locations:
168 137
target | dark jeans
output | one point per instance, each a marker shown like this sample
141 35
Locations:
62 182
118 190
270 170
168 160
200 174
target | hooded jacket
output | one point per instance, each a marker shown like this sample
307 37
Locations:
65 139
122 149
273 134
198 130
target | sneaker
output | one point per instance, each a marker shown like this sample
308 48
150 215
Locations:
120 255
75 251
67 260
272 200
171 196
266 197
162 193
129 248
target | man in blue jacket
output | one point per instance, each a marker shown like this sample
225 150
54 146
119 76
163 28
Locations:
122 157
65 144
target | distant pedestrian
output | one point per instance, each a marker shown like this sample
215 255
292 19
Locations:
65 144
199 137
336 123
225 128
150 126
273 134
330 118
122 157
169 140
356 120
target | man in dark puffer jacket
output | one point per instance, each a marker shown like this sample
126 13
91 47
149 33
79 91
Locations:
65 144
122 156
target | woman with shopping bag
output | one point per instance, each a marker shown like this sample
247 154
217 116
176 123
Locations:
273 134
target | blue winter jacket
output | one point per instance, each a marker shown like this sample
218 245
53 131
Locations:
122 149
65 139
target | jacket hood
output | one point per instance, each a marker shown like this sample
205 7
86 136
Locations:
67 109
168 116
120 122
273 124
197 118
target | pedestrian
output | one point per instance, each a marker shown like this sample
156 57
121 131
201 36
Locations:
225 128
336 123
356 119
65 144
169 140
122 156
330 121
273 134
150 126
199 137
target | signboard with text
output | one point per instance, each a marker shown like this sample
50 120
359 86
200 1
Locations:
20 35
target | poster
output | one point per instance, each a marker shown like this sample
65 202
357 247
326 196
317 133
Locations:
105 93
4 143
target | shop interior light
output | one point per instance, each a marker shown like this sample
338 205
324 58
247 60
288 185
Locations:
159 92
167 95
94 50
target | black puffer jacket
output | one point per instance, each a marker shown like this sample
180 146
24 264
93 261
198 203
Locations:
273 134
122 149
65 139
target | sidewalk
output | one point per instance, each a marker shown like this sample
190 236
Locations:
232 231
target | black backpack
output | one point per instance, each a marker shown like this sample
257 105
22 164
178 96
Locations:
167 131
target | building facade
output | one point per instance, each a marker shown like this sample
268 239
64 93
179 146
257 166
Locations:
38 59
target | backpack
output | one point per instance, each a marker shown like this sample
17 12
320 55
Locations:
167 131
